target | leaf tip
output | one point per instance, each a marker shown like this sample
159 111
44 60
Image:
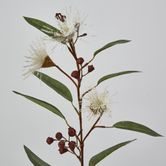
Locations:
15 92
128 41
26 18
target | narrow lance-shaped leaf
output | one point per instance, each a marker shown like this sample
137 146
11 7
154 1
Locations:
36 161
42 26
100 156
115 75
110 45
55 85
128 125
43 104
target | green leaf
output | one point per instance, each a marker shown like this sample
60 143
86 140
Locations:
55 85
128 125
110 45
42 26
114 75
100 156
43 104
36 161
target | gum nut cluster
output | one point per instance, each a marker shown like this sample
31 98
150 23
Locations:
64 144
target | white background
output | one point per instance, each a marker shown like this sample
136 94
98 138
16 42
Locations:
137 97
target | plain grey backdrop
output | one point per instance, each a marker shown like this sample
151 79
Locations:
137 97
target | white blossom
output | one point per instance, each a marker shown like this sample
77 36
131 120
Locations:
37 59
68 26
98 103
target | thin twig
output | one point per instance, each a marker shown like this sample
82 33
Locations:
66 74
88 91
88 63
75 108
93 127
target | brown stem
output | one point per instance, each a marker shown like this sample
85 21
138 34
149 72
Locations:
73 52
93 127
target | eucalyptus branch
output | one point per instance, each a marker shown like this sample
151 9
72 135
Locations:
68 34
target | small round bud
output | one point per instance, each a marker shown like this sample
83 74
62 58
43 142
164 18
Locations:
90 68
50 140
58 136
80 60
61 144
71 132
75 74
72 145
63 150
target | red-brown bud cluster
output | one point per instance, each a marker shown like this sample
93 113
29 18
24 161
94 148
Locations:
64 144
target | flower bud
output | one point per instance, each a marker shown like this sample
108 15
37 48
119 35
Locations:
80 60
58 136
63 150
90 68
72 145
61 144
50 140
75 74
71 132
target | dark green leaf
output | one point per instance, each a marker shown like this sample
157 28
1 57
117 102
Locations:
36 161
43 104
128 125
110 45
100 156
55 85
114 75
42 26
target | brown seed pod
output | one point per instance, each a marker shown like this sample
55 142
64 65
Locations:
90 68
58 136
80 60
75 74
50 140
71 132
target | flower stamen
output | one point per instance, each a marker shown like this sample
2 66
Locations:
60 17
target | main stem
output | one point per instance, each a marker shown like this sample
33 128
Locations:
73 52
